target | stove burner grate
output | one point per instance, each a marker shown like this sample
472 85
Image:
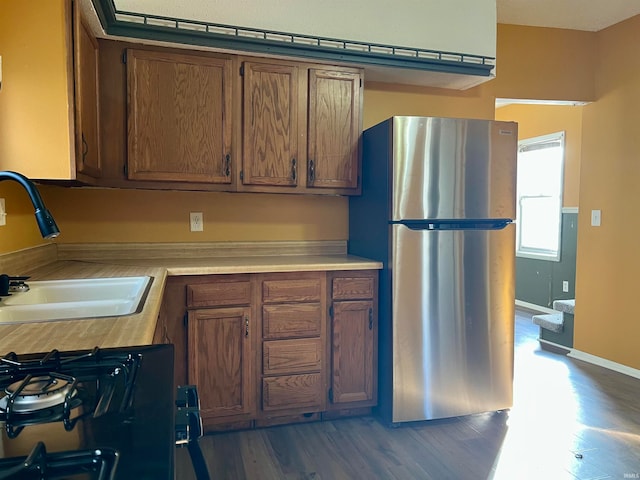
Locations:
42 388
37 393
40 464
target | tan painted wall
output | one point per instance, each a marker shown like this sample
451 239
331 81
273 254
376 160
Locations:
34 98
532 63
91 215
608 264
97 215
544 63
536 120
382 101
21 230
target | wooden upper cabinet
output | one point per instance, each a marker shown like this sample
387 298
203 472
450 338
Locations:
301 128
85 59
179 117
334 129
270 144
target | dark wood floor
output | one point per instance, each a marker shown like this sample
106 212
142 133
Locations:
570 420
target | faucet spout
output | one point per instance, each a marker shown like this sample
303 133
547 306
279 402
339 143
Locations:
46 223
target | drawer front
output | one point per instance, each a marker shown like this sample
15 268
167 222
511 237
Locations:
291 320
290 290
219 294
352 288
291 356
292 391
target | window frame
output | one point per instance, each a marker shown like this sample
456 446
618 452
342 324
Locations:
540 254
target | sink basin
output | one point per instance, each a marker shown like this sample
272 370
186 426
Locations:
53 300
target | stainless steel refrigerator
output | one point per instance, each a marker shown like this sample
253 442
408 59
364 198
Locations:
438 199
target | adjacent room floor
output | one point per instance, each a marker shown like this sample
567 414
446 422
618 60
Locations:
570 420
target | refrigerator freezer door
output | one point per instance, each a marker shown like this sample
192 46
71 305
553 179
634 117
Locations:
446 168
453 320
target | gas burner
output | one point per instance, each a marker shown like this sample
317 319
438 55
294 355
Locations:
37 393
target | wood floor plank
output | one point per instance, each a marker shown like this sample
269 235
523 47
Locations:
562 408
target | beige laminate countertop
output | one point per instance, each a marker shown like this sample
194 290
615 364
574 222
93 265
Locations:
86 333
256 264
138 329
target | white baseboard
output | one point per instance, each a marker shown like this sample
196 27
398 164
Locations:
556 345
577 354
603 362
534 307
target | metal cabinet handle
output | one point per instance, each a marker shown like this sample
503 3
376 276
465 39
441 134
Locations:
370 319
85 147
294 172
227 165
246 326
312 171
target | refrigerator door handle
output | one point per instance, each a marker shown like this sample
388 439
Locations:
491 224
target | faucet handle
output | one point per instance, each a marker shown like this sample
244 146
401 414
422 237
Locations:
12 284
16 284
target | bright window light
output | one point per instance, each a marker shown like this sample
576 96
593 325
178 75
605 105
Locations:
539 191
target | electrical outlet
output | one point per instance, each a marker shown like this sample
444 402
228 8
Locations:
196 221
565 286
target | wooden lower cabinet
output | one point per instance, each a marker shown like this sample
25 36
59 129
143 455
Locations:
292 380
352 352
354 339
221 362
271 349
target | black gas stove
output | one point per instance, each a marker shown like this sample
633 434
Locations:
95 414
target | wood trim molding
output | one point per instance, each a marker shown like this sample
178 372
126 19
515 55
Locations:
121 251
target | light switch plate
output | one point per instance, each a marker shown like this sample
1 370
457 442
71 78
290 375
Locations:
596 216
3 213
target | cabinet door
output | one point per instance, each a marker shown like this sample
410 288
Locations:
220 360
353 336
179 117
270 125
85 58
334 129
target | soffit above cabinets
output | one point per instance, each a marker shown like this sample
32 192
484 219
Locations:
413 42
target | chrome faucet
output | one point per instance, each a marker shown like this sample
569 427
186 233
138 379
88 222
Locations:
46 223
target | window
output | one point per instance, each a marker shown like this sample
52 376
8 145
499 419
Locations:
539 192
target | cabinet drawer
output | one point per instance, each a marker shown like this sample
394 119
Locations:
292 391
219 294
290 290
352 288
291 356
291 320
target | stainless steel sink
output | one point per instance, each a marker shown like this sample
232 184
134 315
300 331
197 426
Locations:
54 300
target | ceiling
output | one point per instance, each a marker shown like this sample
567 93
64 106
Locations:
589 15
